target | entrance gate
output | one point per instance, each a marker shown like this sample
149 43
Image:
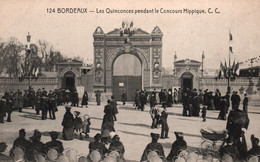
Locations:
187 81
126 76
68 81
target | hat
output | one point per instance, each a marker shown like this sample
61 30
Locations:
67 107
3 146
37 133
54 134
155 135
178 134
98 136
112 134
22 131
77 113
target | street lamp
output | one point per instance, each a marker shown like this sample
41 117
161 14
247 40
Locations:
28 53
202 68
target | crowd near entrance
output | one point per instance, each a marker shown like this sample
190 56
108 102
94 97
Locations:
127 76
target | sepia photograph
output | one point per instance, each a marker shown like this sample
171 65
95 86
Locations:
129 81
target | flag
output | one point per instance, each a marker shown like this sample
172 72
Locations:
225 70
203 56
222 68
131 24
123 25
236 68
230 49
219 75
230 37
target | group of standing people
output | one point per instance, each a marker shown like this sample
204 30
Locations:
41 100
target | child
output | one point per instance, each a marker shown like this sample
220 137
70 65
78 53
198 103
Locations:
85 125
78 124
204 112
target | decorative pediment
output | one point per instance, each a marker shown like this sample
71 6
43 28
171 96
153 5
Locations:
187 61
135 31
115 31
157 31
140 31
99 30
70 61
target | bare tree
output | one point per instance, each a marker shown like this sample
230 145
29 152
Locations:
12 56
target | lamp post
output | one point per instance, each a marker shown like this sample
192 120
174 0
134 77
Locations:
28 53
202 60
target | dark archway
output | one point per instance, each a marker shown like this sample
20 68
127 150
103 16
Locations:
68 81
187 81
126 75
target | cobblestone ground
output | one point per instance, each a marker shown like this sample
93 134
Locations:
133 127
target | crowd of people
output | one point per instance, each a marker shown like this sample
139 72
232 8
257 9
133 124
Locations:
41 100
191 100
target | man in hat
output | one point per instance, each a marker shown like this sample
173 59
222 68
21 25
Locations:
45 107
117 145
245 103
54 143
22 142
255 150
123 97
37 146
98 95
2 110
3 157
153 146
97 145
229 149
52 105
165 127
178 144
68 123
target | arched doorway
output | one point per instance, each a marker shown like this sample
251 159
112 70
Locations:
68 81
186 81
126 75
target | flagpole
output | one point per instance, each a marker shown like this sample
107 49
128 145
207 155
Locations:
228 88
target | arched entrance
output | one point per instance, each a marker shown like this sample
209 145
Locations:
186 81
68 81
126 75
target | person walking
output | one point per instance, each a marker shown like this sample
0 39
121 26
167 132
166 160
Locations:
68 123
165 127
123 97
245 103
85 99
98 95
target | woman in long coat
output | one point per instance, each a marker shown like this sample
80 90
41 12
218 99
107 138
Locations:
85 99
68 123
108 119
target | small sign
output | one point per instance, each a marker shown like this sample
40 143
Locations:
121 84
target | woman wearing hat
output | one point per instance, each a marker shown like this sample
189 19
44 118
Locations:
178 144
84 99
68 123
54 143
108 119
117 145
153 146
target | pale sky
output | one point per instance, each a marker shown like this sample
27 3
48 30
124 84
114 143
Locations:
188 35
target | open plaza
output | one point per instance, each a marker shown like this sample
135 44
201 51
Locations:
132 126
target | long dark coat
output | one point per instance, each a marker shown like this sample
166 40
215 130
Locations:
85 99
68 123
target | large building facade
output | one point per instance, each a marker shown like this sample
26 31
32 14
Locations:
123 62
